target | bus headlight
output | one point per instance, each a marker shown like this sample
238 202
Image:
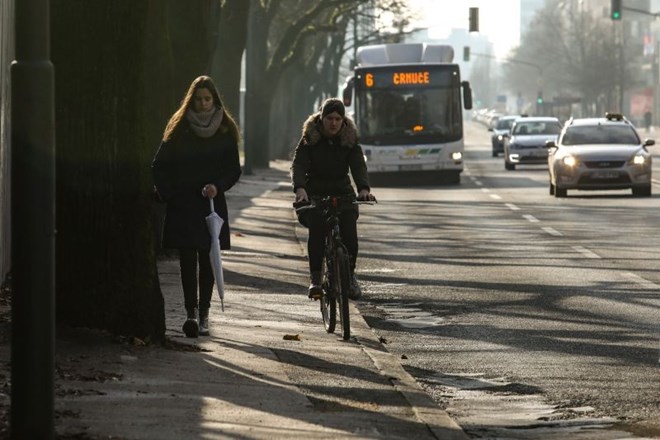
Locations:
457 155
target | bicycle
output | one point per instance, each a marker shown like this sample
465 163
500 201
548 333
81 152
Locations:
336 263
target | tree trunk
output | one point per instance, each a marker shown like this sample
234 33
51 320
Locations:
230 45
106 266
257 90
188 25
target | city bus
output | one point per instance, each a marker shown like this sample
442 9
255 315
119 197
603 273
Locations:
407 102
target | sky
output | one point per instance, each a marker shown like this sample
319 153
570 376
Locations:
499 20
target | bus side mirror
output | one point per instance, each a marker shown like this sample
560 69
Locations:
467 95
347 94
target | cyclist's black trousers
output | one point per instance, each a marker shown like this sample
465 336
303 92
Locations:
188 263
316 241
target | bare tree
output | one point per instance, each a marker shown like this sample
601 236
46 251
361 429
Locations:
281 32
573 52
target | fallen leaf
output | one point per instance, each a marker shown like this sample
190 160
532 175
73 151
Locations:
403 356
382 340
292 337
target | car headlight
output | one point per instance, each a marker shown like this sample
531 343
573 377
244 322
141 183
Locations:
457 155
569 161
500 138
639 160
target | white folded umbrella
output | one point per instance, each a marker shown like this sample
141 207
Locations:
214 222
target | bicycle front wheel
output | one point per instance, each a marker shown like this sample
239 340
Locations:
328 303
343 276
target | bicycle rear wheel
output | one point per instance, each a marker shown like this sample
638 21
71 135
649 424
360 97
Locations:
342 270
328 303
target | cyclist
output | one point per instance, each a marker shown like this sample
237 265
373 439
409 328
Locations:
326 152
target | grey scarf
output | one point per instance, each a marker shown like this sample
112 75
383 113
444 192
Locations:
205 124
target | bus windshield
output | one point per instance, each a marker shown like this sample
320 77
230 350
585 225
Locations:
421 112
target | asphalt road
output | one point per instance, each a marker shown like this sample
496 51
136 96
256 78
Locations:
525 316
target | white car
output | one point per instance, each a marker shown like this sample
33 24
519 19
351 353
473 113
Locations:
526 143
600 153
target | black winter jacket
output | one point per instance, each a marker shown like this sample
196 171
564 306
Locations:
321 164
181 168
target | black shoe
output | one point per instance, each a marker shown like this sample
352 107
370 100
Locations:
204 322
354 292
191 328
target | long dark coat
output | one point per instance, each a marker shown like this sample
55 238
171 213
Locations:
321 165
181 168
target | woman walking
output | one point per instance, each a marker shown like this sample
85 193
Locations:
196 161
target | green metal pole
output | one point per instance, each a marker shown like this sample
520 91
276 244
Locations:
33 224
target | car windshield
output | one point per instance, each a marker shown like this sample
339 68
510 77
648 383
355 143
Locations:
504 124
600 134
536 127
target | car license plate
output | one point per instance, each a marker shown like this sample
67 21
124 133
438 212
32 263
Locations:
605 174
410 167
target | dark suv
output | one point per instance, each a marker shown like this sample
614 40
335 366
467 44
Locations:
500 130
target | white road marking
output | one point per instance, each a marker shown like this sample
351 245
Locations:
639 280
552 231
586 252
495 196
531 218
486 190
657 182
512 207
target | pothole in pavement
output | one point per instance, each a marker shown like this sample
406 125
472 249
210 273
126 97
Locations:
497 408
412 316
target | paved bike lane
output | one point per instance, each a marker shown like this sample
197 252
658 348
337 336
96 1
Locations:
269 369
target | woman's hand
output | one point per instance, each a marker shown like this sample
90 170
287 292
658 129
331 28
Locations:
209 191
366 196
301 195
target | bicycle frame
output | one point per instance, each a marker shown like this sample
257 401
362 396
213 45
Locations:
336 270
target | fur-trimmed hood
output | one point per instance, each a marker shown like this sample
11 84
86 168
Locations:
311 131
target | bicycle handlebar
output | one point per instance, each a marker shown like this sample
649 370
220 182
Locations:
321 202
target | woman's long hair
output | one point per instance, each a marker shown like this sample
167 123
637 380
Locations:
201 82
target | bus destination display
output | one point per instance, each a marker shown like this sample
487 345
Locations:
393 78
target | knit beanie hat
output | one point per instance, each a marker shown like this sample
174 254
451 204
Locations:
332 105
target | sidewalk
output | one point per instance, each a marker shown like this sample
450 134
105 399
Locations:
268 370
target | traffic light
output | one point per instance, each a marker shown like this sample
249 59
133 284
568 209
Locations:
616 10
466 53
539 97
474 19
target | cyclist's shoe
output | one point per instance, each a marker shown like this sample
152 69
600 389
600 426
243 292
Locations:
315 290
191 326
354 292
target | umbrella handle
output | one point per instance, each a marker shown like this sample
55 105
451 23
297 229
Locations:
212 207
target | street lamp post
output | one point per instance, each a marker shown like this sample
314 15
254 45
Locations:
33 224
